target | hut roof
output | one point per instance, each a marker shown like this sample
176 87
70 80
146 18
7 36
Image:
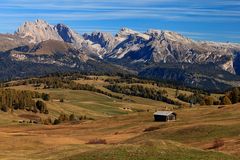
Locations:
164 113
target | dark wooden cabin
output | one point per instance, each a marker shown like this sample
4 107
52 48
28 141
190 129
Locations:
164 116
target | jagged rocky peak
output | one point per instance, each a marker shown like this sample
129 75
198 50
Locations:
104 39
38 31
154 32
68 35
167 35
174 36
99 35
64 32
126 32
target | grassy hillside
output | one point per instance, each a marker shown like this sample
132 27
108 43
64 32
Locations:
152 150
94 104
124 128
192 136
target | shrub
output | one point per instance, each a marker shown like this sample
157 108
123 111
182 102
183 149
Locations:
45 97
209 100
56 121
34 109
63 118
5 108
149 129
47 121
225 100
216 103
217 143
46 111
72 117
234 95
97 141
41 106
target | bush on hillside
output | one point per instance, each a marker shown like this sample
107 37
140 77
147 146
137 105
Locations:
62 100
225 100
41 106
45 97
149 129
72 117
56 121
209 100
217 143
97 141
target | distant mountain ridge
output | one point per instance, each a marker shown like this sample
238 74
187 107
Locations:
41 43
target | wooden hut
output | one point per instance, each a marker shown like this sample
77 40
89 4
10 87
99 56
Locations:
165 116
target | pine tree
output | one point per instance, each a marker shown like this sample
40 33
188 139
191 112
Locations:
177 93
209 100
225 101
235 95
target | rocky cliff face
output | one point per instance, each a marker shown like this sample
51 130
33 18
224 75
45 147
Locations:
105 40
38 31
167 47
153 46
69 36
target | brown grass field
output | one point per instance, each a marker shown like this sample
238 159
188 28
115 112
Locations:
205 132
195 128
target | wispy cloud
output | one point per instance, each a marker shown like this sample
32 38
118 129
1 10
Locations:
99 10
208 12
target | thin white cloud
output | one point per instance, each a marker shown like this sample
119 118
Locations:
224 11
161 13
106 9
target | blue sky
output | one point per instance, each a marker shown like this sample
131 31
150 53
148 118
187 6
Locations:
213 20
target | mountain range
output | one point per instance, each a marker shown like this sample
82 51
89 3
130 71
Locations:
38 48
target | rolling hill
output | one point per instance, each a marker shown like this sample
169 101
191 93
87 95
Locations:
119 128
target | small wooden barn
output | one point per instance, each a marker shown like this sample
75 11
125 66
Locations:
164 116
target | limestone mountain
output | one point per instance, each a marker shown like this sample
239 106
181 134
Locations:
168 47
162 55
38 31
